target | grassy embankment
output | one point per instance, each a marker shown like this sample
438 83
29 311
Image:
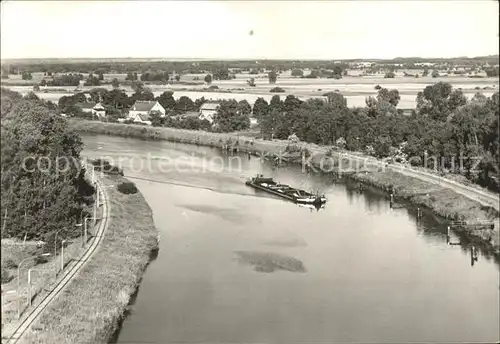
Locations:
93 304
16 252
441 200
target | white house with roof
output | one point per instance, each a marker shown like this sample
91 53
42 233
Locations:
141 110
208 111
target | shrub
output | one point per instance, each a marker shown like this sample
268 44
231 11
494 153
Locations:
6 277
40 260
127 188
9 264
277 90
106 167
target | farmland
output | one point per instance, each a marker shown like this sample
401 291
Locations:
354 87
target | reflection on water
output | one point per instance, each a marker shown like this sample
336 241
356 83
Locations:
368 273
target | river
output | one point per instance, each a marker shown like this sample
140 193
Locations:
239 266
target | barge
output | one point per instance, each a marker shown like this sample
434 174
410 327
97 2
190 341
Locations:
285 191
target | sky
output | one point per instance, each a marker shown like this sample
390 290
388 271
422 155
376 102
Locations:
221 29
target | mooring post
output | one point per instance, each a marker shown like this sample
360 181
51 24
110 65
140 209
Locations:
392 200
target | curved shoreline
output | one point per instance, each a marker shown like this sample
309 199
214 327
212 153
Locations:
440 199
109 280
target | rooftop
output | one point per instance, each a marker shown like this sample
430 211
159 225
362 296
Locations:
210 106
143 105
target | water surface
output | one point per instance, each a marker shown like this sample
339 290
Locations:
238 266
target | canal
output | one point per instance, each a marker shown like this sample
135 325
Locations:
239 266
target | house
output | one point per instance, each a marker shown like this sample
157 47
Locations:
146 107
208 111
99 110
141 110
93 108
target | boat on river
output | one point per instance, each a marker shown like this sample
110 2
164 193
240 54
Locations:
285 191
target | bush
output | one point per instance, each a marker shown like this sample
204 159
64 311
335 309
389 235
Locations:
6 277
9 264
127 188
40 260
106 167
277 90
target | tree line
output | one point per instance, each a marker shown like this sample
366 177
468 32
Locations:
196 67
43 187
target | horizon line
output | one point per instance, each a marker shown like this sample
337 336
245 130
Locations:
174 59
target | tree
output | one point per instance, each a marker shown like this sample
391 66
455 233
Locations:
26 76
116 98
177 77
337 71
115 83
131 77
143 95
272 77
434 101
251 82
244 108
228 118
221 74
184 104
336 99
435 74
296 72
36 88
198 103
43 199
260 107
166 99
92 81
291 103
276 104
426 71
208 79
156 118
391 96
137 86
390 75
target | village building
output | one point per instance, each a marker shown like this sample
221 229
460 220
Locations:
141 110
208 111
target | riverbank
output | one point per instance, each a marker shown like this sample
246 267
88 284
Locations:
98 297
444 201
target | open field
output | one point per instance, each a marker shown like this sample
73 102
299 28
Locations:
354 88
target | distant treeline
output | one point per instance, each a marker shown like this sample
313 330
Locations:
127 66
